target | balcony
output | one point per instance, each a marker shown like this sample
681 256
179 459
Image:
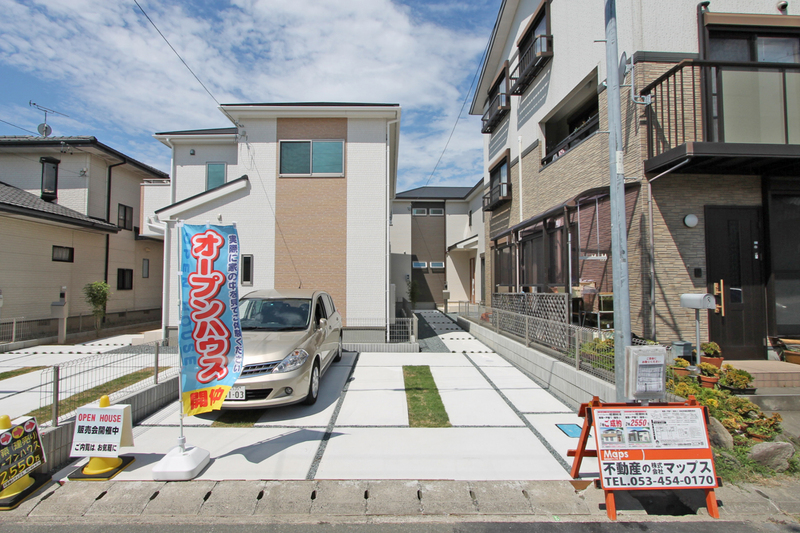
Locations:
724 117
498 108
574 138
497 195
531 61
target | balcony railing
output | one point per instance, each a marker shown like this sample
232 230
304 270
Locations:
574 138
724 102
531 61
499 193
498 108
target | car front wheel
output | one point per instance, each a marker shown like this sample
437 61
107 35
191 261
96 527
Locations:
313 385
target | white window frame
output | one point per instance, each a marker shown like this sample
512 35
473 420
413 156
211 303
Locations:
419 212
419 264
311 159
250 271
437 264
436 211
224 173
145 268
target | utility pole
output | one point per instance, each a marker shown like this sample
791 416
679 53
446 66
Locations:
619 232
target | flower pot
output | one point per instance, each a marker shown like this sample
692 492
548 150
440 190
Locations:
678 371
716 361
748 391
708 381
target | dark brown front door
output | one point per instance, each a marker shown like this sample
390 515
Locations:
733 255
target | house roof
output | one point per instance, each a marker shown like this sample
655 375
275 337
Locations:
85 143
312 104
23 203
210 131
438 193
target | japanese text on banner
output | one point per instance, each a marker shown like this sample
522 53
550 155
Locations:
211 347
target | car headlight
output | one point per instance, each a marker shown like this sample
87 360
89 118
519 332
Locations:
293 361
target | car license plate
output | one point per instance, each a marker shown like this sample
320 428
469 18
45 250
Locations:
236 393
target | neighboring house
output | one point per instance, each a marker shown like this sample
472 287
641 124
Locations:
69 211
437 241
712 163
308 186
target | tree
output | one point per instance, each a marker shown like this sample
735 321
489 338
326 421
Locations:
97 295
413 292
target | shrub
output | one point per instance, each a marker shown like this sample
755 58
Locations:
735 378
97 295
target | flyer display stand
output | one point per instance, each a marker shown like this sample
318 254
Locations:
660 446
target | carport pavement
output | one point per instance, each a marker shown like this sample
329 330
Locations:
503 425
353 455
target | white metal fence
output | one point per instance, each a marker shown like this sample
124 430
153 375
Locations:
65 387
366 330
589 350
24 329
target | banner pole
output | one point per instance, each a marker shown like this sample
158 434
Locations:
181 436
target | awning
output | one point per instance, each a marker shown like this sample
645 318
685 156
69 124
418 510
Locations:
470 243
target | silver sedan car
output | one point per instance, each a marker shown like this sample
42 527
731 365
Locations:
291 337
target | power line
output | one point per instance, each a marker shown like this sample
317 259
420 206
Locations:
464 103
18 127
182 61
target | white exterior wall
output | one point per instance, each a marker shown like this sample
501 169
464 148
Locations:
23 170
367 219
192 168
456 222
400 234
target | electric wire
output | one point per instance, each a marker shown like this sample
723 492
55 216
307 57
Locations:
18 127
274 214
184 62
463 104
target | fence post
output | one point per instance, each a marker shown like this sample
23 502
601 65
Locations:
415 327
527 335
577 348
155 366
13 330
55 395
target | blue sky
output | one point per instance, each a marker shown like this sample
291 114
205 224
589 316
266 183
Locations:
101 63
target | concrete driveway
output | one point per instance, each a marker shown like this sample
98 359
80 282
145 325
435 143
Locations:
504 425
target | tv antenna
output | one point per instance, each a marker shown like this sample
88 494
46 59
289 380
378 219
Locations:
43 129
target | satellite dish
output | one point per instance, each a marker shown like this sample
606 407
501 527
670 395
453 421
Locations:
44 130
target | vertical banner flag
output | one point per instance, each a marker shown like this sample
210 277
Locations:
210 334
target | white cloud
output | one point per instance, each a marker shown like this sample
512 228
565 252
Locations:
116 74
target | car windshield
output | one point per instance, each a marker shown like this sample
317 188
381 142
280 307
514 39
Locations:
275 314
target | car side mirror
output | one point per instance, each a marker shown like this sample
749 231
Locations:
323 323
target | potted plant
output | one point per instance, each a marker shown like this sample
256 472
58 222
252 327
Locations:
711 353
680 367
735 380
709 375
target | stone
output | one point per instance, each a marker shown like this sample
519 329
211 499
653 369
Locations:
727 459
774 455
718 435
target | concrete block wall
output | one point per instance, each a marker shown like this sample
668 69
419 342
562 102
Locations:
560 379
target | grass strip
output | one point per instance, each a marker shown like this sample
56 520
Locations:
238 419
425 407
19 372
67 405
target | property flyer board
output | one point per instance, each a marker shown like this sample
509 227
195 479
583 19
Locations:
20 451
99 432
653 447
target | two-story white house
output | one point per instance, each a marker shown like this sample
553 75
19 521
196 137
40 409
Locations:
69 215
710 112
308 186
437 242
